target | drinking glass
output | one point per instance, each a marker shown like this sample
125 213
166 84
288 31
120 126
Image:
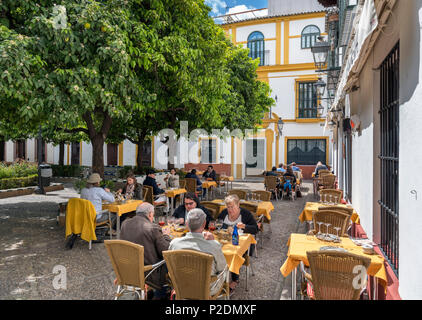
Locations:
219 224
337 230
327 237
211 226
162 221
171 221
310 228
319 228
331 199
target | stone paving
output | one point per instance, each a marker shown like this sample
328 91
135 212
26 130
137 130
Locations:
33 258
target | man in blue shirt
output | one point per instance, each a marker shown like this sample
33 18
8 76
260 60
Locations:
294 167
281 168
96 195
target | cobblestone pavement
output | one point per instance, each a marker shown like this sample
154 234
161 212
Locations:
32 254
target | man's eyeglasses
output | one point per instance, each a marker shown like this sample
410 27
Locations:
189 203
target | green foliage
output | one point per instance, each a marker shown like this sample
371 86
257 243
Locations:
10 183
108 184
17 170
124 171
73 170
79 185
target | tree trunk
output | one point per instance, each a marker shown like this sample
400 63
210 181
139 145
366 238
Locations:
98 155
140 144
61 153
98 138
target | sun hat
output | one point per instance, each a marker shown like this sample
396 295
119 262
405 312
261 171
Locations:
94 178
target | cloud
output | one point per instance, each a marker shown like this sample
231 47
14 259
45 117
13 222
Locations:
249 15
218 7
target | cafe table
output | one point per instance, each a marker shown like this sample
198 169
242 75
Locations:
299 244
310 207
209 185
172 193
264 207
121 208
233 254
228 179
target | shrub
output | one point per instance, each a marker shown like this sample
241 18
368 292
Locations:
81 183
123 172
20 182
17 170
73 170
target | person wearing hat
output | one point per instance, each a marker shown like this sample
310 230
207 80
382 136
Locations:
96 195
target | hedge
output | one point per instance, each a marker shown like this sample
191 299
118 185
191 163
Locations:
11 183
72 170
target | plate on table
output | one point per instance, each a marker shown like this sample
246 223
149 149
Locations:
179 229
331 248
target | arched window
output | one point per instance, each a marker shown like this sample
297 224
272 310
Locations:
256 46
309 36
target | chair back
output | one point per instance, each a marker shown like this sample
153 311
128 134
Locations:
263 195
271 182
81 218
336 195
182 184
335 218
328 181
333 274
348 211
240 193
190 273
190 185
147 191
323 172
127 259
252 208
213 208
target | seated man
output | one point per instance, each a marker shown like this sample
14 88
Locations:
210 174
319 166
159 194
294 167
281 168
96 195
141 230
191 201
273 172
193 175
198 240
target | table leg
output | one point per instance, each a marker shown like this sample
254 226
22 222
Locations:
294 284
375 289
171 207
118 226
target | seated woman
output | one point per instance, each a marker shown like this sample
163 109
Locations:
287 185
243 219
132 189
172 179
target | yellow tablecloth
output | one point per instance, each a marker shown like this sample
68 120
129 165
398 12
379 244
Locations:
233 254
299 244
227 178
172 193
208 184
264 207
120 209
306 214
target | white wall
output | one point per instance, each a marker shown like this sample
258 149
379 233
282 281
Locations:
267 29
410 165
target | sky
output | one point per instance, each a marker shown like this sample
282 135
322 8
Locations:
221 7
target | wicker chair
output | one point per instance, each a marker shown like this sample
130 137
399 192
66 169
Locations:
240 193
323 172
348 211
149 196
127 259
191 186
262 195
182 184
219 182
335 218
333 274
190 275
253 208
271 185
213 208
327 182
336 194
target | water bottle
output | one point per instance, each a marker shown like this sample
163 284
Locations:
235 237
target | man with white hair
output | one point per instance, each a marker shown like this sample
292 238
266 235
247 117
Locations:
142 230
197 239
